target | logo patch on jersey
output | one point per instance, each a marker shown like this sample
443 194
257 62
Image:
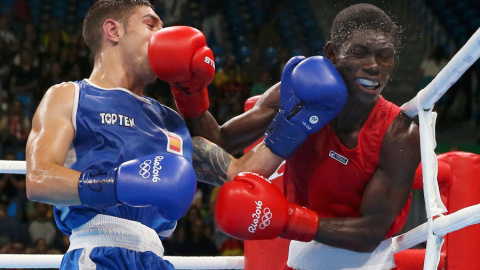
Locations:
338 157
175 143
117 119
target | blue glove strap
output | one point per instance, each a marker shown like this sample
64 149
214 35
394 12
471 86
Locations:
284 137
96 188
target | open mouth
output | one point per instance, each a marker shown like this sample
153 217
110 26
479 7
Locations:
368 84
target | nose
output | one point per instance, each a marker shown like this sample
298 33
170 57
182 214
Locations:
371 66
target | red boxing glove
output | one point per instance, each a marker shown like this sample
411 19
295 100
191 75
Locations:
251 208
179 55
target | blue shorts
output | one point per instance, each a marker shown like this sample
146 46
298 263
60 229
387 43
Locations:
113 258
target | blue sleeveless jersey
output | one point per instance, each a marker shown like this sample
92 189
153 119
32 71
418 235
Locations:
113 126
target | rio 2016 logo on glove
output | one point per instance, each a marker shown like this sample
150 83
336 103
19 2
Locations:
146 166
257 216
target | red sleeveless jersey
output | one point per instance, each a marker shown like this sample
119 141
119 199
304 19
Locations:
325 176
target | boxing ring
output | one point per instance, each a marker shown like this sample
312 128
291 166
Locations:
437 226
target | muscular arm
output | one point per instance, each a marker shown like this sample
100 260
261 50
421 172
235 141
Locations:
47 147
242 130
385 195
215 166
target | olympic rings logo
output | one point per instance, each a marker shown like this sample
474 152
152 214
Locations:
145 169
267 215
260 216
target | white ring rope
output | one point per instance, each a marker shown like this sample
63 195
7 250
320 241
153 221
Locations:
13 166
53 261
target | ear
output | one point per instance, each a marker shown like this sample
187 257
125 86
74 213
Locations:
330 52
112 30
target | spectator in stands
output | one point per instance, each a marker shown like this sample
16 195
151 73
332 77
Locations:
230 94
431 66
13 186
184 225
17 124
176 244
55 34
8 225
16 247
212 19
232 247
460 91
19 202
26 45
251 67
221 75
55 76
218 237
8 140
24 82
174 12
198 244
30 34
5 63
6 33
42 226
7 189
80 54
40 246
52 54
265 82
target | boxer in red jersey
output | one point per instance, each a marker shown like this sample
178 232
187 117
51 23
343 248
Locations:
357 172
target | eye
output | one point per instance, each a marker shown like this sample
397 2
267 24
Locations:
357 51
386 54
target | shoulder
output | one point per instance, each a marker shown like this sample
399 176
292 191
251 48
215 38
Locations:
171 112
172 116
58 98
401 144
403 127
62 93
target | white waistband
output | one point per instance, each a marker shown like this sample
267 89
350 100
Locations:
109 231
316 256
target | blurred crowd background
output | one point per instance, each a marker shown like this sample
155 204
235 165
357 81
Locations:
41 45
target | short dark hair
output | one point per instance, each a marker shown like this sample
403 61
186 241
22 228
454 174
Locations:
361 16
119 10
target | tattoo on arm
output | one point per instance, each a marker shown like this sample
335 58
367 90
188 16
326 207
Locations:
210 162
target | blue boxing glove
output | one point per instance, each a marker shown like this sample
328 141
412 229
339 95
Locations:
167 181
312 93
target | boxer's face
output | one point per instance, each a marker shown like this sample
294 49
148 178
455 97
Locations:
365 61
137 33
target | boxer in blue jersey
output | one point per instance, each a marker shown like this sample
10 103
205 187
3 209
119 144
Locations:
118 165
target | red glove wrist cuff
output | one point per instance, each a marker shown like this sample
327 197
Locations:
191 105
302 225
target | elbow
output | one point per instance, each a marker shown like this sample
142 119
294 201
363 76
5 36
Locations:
34 187
32 190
